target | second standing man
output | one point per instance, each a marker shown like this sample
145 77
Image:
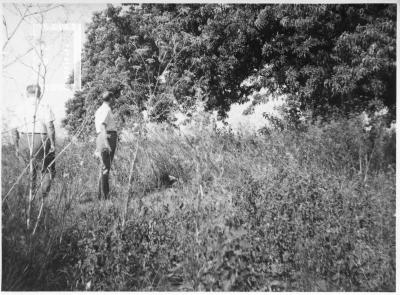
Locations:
106 142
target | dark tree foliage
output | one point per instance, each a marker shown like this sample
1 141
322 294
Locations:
163 57
330 58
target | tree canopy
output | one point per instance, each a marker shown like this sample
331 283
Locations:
331 57
164 57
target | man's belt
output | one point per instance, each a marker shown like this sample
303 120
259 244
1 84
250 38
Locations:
108 131
33 133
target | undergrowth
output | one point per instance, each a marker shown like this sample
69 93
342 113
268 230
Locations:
284 211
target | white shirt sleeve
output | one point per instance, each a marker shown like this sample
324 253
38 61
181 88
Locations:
110 121
50 114
101 117
104 116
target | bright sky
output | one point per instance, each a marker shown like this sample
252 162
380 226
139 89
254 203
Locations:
254 121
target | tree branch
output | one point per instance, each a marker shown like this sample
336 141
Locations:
5 26
45 10
17 58
23 18
14 31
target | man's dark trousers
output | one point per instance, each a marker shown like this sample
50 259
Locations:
106 158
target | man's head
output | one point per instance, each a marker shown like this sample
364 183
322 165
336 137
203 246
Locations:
33 90
106 96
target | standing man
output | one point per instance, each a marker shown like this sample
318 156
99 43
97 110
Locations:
106 142
34 135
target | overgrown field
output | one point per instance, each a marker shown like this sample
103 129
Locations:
293 211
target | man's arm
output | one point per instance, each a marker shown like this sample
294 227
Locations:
15 138
51 131
104 135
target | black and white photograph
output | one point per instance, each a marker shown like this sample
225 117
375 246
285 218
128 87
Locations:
198 147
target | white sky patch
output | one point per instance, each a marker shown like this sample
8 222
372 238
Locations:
254 121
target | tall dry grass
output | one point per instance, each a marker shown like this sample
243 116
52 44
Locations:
213 211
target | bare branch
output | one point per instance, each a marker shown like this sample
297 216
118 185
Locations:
19 11
15 29
29 66
23 17
17 58
13 33
45 10
5 26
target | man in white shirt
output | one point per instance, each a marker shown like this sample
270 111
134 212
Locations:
106 142
34 135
